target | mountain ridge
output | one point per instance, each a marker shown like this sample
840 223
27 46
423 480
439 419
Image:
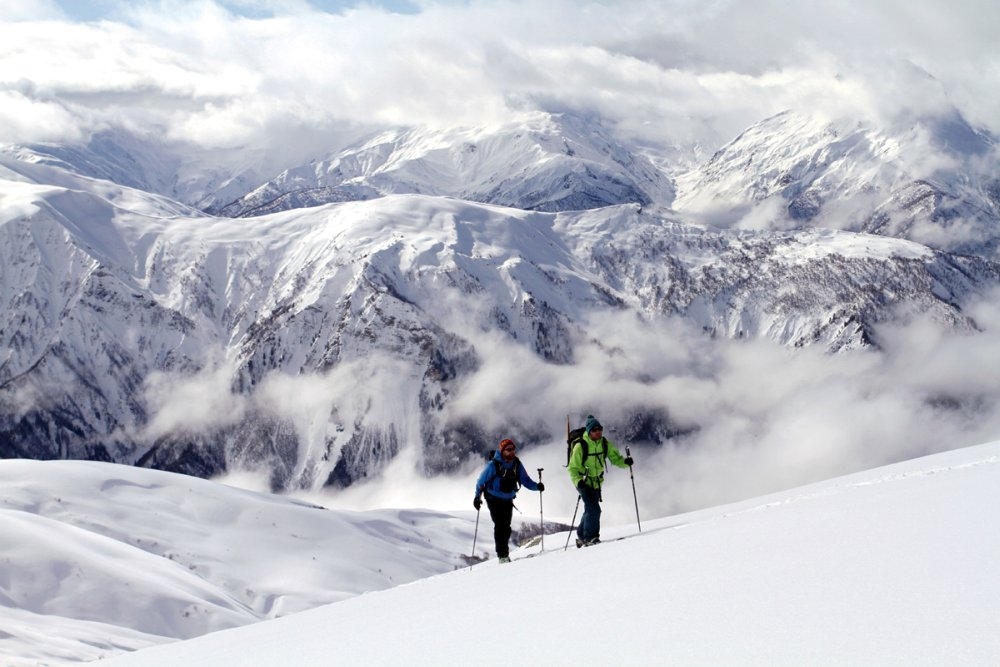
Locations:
920 180
120 304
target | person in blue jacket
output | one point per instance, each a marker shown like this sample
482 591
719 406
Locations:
499 482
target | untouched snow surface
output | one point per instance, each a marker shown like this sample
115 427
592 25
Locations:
894 566
97 558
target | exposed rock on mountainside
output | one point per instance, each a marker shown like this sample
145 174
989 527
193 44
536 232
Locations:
318 344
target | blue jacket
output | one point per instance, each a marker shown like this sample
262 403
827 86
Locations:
489 480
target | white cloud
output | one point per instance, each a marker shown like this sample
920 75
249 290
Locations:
766 417
669 72
759 417
191 404
24 118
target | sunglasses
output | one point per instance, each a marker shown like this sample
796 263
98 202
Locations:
509 448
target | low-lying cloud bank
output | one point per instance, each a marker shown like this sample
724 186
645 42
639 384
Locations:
755 417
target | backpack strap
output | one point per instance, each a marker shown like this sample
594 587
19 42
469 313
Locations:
516 470
602 453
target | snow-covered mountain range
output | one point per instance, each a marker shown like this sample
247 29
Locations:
314 322
931 180
552 162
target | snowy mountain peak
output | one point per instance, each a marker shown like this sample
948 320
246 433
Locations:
796 170
552 162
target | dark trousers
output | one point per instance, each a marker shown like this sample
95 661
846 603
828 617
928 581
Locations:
590 522
501 512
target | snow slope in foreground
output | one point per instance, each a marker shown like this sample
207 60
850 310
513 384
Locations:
894 566
98 558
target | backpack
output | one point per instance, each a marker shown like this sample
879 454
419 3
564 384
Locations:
576 436
510 480
573 437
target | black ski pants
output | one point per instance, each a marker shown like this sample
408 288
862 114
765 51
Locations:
501 511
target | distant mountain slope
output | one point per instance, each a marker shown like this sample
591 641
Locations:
109 296
555 162
546 162
930 179
933 181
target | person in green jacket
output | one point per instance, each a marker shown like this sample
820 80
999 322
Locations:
587 463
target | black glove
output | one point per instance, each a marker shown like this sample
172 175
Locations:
541 487
477 503
581 485
628 460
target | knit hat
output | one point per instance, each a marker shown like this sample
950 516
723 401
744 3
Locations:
506 442
592 423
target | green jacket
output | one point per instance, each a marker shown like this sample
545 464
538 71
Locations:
591 468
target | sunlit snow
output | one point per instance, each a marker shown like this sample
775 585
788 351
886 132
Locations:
889 566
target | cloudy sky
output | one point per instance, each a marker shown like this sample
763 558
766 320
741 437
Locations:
235 73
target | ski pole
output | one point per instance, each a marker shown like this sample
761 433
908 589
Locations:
541 512
568 449
634 497
572 523
475 535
